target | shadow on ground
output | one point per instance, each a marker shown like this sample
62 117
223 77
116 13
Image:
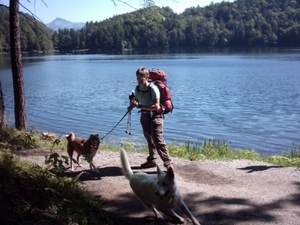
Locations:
88 175
126 209
213 210
258 168
220 210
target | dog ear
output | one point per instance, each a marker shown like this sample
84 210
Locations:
170 172
159 171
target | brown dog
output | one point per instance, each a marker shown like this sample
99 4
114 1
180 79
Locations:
85 147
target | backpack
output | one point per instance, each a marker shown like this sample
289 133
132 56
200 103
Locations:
159 78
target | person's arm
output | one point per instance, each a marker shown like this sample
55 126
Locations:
154 107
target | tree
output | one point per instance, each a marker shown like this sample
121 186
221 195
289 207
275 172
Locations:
2 110
16 62
16 65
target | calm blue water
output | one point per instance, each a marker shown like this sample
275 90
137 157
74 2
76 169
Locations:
251 100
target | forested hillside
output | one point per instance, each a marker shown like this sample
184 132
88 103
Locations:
242 23
35 36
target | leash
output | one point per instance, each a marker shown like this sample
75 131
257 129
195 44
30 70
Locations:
128 129
129 111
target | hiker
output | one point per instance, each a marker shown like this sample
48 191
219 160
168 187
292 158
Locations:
147 100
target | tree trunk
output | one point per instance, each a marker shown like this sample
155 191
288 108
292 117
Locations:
16 65
2 110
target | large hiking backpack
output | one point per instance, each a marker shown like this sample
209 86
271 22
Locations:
159 78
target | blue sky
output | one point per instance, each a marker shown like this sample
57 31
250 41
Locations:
95 10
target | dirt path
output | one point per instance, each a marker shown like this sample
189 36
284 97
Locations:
217 192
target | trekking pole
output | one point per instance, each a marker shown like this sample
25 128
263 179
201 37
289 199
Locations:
128 129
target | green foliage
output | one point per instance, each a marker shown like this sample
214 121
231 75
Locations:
56 162
33 195
106 147
240 23
283 160
7 164
18 139
220 150
34 35
295 151
256 23
27 140
127 145
291 159
215 149
9 131
246 154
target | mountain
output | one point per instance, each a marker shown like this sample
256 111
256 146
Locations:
60 23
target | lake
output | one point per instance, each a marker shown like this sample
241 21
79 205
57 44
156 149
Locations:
249 99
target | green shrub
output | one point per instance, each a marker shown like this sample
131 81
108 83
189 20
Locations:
33 195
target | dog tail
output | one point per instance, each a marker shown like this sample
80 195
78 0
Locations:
125 164
71 136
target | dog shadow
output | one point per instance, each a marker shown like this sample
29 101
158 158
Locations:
83 175
110 171
138 169
251 169
89 175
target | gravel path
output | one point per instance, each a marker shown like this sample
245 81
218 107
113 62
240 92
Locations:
216 192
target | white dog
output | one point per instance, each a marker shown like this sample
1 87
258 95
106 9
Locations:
158 192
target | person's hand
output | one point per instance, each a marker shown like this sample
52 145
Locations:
134 103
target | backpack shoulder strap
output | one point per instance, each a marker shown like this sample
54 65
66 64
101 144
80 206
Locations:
151 84
144 91
149 89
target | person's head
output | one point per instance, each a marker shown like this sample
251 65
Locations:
142 75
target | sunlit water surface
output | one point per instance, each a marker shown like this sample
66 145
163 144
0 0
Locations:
250 100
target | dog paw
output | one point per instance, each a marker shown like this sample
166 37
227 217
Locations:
179 221
159 217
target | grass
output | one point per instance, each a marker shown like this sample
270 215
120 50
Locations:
220 150
34 195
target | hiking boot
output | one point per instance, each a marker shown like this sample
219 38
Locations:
148 165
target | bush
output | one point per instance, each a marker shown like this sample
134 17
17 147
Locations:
33 195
